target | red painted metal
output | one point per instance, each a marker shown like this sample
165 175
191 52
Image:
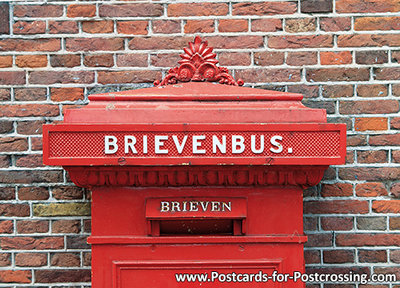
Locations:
138 242
198 64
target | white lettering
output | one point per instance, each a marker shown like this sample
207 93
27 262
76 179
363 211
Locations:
110 144
145 144
214 206
278 146
164 206
237 144
216 143
253 144
175 206
194 206
204 205
179 146
130 142
228 206
158 142
197 144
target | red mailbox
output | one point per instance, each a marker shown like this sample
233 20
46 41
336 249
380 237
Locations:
196 184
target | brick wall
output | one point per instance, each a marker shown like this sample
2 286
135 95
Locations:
342 55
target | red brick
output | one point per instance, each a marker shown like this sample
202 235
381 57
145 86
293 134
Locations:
319 240
99 60
132 27
199 26
370 173
106 26
66 94
94 44
77 10
164 60
197 9
14 210
385 140
5 161
336 207
15 276
6 61
338 256
5 94
371 124
65 260
266 25
230 25
396 156
31 161
6 227
371 189
28 110
312 257
269 58
32 243
32 226
157 43
30 94
396 90
166 26
235 42
372 156
5 259
337 74
62 77
337 223
299 25
67 193
37 11
8 144
7 193
87 224
12 77
337 91
337 190
63 27
30 127
31 61
395 256
367 6
387 73
386 206
308 41
30 45
6 127
33 193
65 60
87 259
316 6
377 23
31 259
396 56
372 256
388 270
66 226
336 58
308 91
375 90
62 276
371 57
264 8
335 24
368 239
113 77
269 75
4 18
36 144
132 60
369 107
368 40
302 58
131 10
234 58
34 27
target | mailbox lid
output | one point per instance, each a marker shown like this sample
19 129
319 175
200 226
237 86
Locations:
196 102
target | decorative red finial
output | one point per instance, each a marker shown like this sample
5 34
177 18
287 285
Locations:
198 64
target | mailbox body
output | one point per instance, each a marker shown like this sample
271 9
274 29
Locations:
195 178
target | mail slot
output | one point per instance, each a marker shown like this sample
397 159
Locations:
196 176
